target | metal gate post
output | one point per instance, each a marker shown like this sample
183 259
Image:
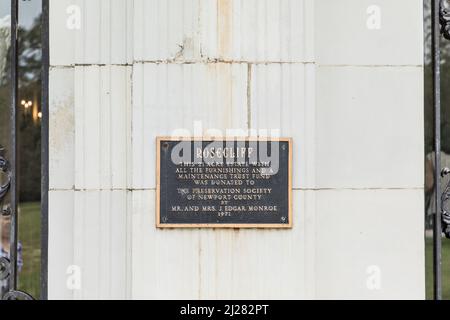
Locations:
440 24
9 165
14 148
9 266
44 151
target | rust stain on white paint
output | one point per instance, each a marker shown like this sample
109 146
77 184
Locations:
249 96
224 27
61 119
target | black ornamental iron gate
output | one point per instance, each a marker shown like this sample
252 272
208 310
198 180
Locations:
9 160
440 27
9 167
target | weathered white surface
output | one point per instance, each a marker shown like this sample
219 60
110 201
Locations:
60 243
359 231
369 127
169 98
222 264
283 99
91 32
353 104
343 36
62 129
102 127
101 244
239 30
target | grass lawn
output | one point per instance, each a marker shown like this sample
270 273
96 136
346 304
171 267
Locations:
30 237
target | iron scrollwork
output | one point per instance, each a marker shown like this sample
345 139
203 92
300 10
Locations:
17 295
445 197
5 263
5 267
444 18
5 183
4 187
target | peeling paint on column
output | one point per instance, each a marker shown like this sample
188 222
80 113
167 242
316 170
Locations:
224 21
249 96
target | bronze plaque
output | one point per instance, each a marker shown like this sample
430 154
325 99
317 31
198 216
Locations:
227 183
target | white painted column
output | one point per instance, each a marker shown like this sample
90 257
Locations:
350 97
90 149
369 150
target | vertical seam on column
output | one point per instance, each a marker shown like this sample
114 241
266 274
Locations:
249 97
142 120
129 194
110 32
199 265
110 111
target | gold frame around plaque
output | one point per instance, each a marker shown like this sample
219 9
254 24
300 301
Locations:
219 225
